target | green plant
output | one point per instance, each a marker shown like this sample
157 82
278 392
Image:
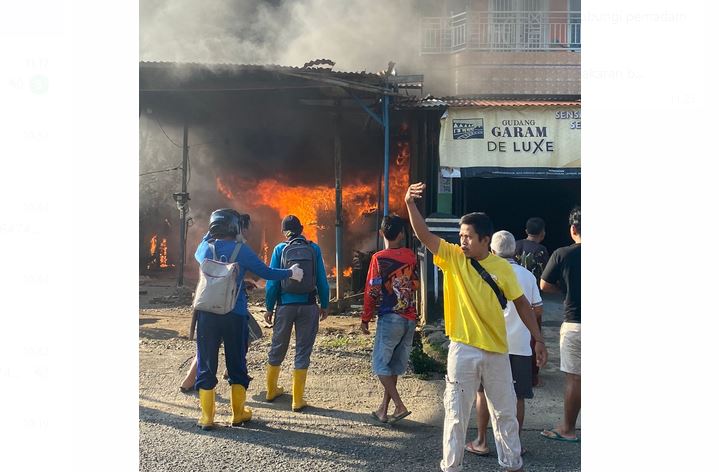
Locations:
423 365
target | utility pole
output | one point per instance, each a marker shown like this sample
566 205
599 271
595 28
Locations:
338 203
182 198
385 119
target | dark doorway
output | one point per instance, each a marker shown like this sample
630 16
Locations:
510 202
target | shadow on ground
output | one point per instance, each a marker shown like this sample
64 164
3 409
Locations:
158 333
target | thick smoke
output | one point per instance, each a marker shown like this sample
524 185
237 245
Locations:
357 34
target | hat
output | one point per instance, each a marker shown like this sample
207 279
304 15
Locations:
292 223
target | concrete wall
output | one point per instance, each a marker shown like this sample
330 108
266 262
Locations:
495 72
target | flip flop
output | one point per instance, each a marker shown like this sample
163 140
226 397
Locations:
376 417
469 447
555 436
188 390
393 419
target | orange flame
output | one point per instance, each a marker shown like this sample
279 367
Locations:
163 254
314 203
399 178
265 247
303 201
153 245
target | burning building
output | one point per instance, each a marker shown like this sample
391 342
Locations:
268 141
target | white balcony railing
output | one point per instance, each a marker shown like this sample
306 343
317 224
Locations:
502 31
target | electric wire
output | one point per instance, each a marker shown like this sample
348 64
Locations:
163 170
163 132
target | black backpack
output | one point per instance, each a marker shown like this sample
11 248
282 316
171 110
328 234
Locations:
300 251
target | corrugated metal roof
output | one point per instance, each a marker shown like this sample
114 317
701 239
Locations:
459 102
229 67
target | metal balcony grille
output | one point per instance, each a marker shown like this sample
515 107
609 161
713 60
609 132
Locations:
502 31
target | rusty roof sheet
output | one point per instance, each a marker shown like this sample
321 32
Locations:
229 67
459 102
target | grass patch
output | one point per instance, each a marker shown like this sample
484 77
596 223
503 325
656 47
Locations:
337 342
344 342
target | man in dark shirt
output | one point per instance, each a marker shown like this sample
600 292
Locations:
563 274
530 253
533 256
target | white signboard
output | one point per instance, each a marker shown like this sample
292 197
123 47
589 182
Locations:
512 141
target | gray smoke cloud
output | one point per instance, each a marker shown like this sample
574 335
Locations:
357 34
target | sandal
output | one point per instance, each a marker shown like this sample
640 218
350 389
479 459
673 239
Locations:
469 447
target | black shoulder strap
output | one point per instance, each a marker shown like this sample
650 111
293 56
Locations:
297 239
488 278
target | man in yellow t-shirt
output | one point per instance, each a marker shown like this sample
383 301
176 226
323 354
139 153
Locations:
474 322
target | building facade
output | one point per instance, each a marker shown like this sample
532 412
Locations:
507 47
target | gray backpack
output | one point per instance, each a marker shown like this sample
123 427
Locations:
300 251
216 290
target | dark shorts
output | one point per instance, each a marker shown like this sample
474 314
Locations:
521 376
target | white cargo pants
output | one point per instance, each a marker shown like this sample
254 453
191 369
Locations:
467 366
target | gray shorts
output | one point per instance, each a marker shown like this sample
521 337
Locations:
570 348
521 376
392 344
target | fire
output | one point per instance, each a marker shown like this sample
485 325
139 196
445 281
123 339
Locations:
314 203
303 201
153 245
163 254
265 247
399 178
345 273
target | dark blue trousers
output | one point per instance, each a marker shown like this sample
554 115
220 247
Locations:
213 329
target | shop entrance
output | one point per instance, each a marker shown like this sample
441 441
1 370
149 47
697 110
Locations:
510 202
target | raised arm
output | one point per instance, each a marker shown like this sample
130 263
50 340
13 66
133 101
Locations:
415 218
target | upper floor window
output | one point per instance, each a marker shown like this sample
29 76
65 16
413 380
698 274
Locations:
505 25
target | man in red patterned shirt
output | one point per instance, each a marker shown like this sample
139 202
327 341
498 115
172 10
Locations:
389 294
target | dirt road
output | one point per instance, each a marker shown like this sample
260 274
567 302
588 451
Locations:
336 431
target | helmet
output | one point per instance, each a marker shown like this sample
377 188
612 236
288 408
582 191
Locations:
224 222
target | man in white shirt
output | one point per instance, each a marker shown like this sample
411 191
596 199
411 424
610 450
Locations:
518 338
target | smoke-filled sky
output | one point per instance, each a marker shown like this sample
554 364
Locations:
356 34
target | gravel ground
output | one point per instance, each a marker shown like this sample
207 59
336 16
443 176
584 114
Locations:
335 432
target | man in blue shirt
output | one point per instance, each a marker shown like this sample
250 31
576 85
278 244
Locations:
294 309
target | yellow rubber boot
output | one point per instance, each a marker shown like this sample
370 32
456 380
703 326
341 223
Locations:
207 405
299 376
240 414
273 391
